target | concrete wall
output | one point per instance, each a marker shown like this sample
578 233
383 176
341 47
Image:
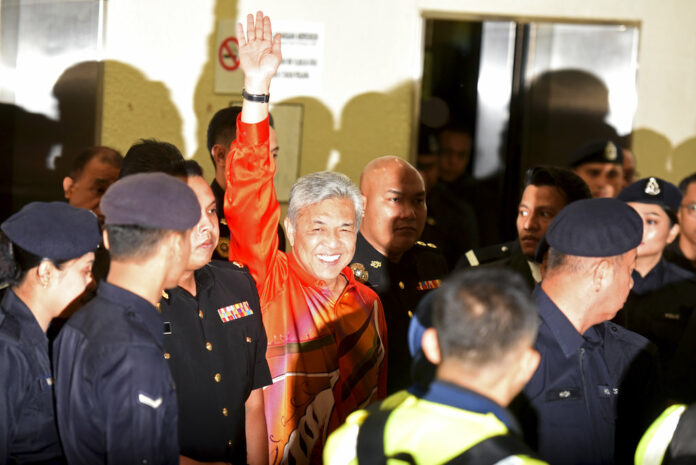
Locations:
160 55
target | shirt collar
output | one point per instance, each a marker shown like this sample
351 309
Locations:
568 338
13 305
651 281
142 308
459 397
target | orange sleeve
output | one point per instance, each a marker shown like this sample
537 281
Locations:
251 207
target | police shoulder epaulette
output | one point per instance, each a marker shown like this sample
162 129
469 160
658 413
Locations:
477 257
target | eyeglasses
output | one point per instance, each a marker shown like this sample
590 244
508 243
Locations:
690 209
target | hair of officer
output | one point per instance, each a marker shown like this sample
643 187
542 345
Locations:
149 155
222 128
568 183
480 314
133 242
192 168
15 262
686 182
316 187
557 261
108 155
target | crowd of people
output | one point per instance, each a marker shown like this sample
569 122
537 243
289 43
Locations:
156 319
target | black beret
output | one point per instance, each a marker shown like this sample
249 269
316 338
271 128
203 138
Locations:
654 190
151 200
593 228
53 230
603 151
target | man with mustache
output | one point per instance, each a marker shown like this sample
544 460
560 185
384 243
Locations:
215 344
547 190
389 257
326 331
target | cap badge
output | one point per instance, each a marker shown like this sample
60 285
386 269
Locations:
610 152
359 272
652 187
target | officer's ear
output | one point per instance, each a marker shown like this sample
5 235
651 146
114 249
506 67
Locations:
528 363
219 153
68 184
673 233
431 346
601 273
289 231
105 238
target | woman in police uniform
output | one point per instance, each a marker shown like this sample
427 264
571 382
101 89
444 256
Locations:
46 256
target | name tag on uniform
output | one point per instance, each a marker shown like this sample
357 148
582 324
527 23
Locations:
427 285
235 311
563 394
607 391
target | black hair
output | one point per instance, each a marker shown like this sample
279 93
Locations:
222 128
481 313
192 168
15 262
149 155
684 183
568 183
108 155
129 242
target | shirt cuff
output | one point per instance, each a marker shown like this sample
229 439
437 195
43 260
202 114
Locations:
252 134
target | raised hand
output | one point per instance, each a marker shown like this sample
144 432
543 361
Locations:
259 53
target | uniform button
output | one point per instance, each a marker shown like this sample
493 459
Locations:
248 339
410 314
224 411
167 356
401 284
200 314
217 377
208 346
230 443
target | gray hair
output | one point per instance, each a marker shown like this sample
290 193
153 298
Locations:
320 186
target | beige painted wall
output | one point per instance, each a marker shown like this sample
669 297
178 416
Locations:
159 73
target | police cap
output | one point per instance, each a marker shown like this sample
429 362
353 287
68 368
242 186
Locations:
593 228
152 200
657 191
53 230
602 151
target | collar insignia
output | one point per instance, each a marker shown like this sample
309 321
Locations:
652 187
375 264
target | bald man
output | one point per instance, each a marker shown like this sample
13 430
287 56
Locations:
390 258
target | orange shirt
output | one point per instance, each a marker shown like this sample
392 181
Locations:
326 358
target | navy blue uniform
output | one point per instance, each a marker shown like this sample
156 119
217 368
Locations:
215 345
28 431
592 395
659 307
400 287
115 397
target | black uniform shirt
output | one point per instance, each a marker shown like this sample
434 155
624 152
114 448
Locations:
673 253
400 287
659 307
216 347
28 431
115 396
507 255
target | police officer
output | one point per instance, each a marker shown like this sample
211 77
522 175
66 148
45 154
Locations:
390 258
215 345
670 439
663 297
682 251
547 189
46 257
222 131
597 386
484 324
600 165
115 397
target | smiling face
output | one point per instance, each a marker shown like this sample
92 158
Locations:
395 209
539 205
323 237
204 236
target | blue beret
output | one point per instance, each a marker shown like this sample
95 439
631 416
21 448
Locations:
593 228
654 190
53 230
603 151
151 200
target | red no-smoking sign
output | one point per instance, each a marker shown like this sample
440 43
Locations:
228 55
